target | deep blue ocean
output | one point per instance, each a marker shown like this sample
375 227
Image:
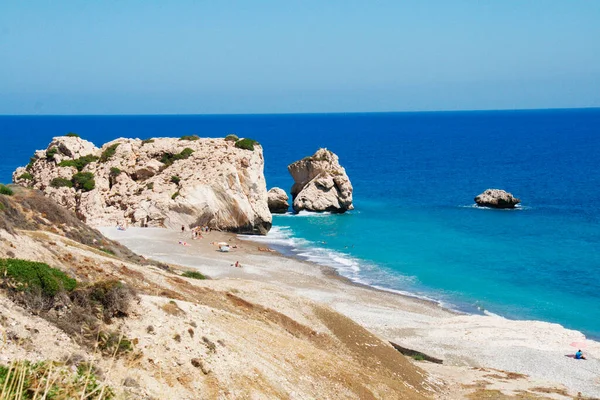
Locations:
415 175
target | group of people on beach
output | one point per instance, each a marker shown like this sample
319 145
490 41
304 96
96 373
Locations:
197 231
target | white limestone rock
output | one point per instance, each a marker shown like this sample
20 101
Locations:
320 184
496 198
159 183
278 201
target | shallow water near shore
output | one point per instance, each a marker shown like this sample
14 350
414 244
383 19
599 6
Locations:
414 228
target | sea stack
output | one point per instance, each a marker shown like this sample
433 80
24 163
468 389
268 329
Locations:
320 184
163 182
496 198
278 201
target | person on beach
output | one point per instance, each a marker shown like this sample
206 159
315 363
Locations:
238 265
182 229
579 355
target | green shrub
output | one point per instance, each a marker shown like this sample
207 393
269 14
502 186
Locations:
79 163
26 176
232 138
107 251
169 158
30 274
109 152
147 141
175 179
418 357
114 171
32 161
61 182
72 134
150 186
175 195
114 343
193 274
246 144
50 153
84 181
185 153
5 190
190 137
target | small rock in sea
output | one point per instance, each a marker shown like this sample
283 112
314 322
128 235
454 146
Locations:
277 201
496 198
320 184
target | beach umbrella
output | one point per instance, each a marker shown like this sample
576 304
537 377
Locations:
579 345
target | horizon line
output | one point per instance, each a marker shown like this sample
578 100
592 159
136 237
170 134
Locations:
310 113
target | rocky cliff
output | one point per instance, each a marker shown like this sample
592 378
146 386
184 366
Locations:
156 182
320 184
496 198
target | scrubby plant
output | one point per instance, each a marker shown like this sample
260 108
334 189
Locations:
51 152
112 296
26 176
169 158
232 138
61 182
32 161
107 251
5 190
175 179
79 163
193 275
84 181
190 137
246 144
72 134
109 152
147 141
150 186
175 195
28 275
114 343
114 171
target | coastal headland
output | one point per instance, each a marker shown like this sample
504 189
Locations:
262 324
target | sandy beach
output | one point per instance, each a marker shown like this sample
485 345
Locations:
475 348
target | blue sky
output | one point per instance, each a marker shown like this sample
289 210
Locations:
196 57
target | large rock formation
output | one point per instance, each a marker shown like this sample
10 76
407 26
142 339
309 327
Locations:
158 182
278 201
496 198
320 184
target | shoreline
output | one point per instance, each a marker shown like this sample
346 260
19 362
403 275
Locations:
536 348
332 273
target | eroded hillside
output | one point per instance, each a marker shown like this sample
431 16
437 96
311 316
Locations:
186 338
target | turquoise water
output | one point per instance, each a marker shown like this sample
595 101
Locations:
414 228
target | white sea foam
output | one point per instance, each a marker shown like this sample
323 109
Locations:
518 207
305 214
357 270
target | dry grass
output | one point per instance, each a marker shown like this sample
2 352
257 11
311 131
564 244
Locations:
172 308
50 380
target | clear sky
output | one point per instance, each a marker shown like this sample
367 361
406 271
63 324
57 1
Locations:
263 56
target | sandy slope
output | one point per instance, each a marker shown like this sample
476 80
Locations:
533 348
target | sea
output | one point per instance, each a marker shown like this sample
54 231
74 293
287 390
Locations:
415 228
